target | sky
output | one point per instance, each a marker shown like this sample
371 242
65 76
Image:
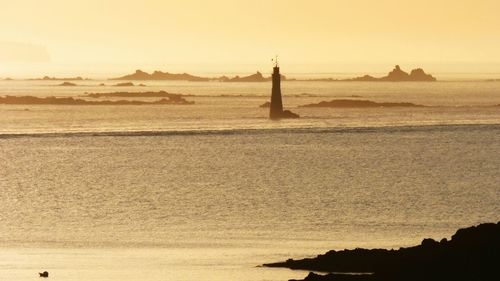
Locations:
113 36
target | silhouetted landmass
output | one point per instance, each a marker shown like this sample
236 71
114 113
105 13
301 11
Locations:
160 94
360 103
65 84
8 79
472 254
47 78
73 101
158 75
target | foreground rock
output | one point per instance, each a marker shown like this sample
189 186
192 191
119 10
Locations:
72 101
346 103
472 254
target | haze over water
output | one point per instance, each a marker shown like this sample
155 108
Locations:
211 190
204 186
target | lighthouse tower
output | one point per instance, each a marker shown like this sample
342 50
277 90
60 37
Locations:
276 102
276 109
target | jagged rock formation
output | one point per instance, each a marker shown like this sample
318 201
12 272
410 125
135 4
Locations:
346 103
472 254
398 75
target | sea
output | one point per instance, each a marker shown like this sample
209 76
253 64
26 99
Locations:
211 191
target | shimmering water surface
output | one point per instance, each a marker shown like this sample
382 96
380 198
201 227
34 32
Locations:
209 191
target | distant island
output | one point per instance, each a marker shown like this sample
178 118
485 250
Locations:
346 103
158 75
72 101
472 254
396 75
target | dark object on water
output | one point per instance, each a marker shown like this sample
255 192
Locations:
472 254
44 274
276 107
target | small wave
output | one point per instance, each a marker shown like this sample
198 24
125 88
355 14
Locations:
312 130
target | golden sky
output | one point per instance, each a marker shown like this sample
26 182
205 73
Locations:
118 34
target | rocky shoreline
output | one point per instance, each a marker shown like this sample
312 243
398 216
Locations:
472 254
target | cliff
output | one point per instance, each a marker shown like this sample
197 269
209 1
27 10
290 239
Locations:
471 254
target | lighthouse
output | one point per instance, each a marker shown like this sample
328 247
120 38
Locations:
276 108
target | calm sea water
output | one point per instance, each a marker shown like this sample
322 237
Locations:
210 191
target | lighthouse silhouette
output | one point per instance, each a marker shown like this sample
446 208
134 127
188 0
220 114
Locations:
276 109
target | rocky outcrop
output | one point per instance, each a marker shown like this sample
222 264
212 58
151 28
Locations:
346 103
471 254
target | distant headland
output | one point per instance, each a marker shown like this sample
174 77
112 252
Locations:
396 75
471 254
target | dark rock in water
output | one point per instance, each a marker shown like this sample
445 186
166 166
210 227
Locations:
265 105
472 254
289 114
347 103
67 84
44 274
124 84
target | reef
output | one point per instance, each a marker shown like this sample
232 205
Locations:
471 254
73 101
347 103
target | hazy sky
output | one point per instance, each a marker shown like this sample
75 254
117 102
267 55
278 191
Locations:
115 35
